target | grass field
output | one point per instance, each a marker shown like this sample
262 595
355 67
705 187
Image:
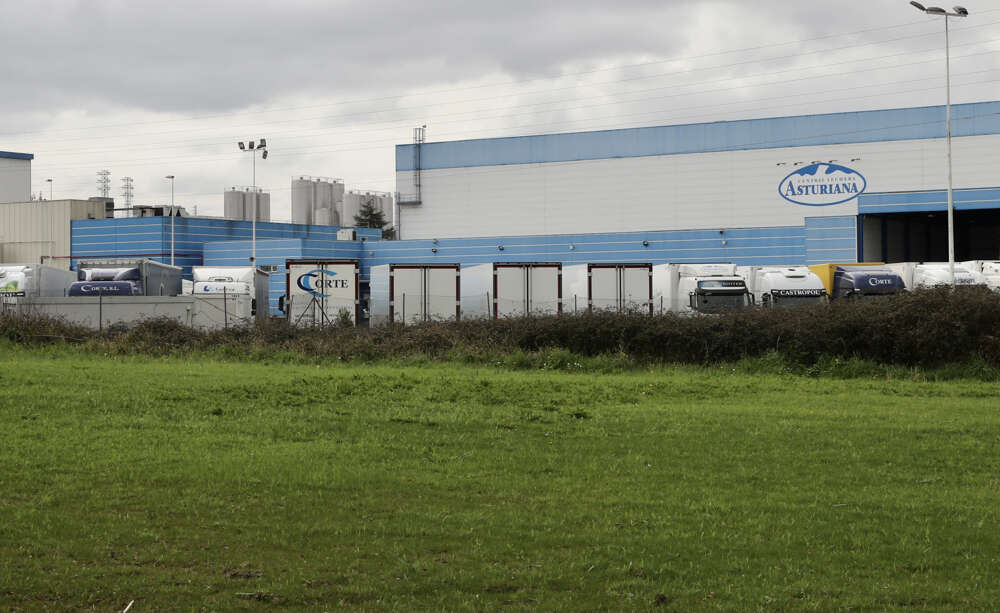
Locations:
193 484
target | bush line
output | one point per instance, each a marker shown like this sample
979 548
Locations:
926 328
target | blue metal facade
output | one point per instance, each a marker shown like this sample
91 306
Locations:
11 155
831 239
828 129
149 237
928 201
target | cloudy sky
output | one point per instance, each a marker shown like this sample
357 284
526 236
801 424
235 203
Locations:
146 89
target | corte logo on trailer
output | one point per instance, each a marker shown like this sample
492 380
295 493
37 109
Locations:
822 184
314 282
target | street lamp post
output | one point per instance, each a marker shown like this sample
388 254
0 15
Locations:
172 215
49 181
253 148
958 12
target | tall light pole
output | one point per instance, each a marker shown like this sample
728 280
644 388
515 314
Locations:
253 148
172 215
959 11
49 181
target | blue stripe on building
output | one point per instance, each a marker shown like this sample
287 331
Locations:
928 201
826 129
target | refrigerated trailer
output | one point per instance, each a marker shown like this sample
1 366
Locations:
857 281
511 289
321 292
414 293
988 271
236 282
33 280
608 287
146 278
930 274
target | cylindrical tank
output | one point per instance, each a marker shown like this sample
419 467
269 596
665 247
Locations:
323 217
264 206
233 204
322 201
303 193
352 204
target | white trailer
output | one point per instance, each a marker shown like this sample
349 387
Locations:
225 281
988 271
512 289
608 287
33 280
930 274
321 292
783 286
414 293
700 288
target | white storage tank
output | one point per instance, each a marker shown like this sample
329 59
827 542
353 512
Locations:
302 200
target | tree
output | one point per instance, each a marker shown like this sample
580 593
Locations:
371 217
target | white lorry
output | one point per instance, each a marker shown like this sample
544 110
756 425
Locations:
930 274
245 289
33 280
988 271
783 286
699 288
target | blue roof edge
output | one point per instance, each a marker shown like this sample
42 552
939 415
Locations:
13 155
895 124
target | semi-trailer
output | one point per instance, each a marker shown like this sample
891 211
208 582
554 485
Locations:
33 280
511 289
414 293
858 280
236 281
700 288
930 274
783 286
988 271
141 277
625 288
321 292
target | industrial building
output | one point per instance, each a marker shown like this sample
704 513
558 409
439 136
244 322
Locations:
866 185
15 176
844 187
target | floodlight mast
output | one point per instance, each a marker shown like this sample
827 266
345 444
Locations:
959 11
252 148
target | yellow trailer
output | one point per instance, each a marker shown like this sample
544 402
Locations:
825 272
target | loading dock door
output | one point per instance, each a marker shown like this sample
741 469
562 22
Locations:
923 236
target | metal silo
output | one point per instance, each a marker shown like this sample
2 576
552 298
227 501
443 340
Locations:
323 217
233 204
263 206
302 199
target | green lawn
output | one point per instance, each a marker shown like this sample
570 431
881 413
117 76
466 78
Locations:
191 484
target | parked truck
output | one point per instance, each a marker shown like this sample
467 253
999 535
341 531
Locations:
142 277
988 271
783 286
699 288
856 281
625 288
33 280
930 274
248 286
321 292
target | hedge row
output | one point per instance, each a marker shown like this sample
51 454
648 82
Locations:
923 328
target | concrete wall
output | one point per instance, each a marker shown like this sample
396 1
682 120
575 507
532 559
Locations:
200 312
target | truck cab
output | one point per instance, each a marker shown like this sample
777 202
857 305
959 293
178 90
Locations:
930 274
703 288
863 282
986 271
783 286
